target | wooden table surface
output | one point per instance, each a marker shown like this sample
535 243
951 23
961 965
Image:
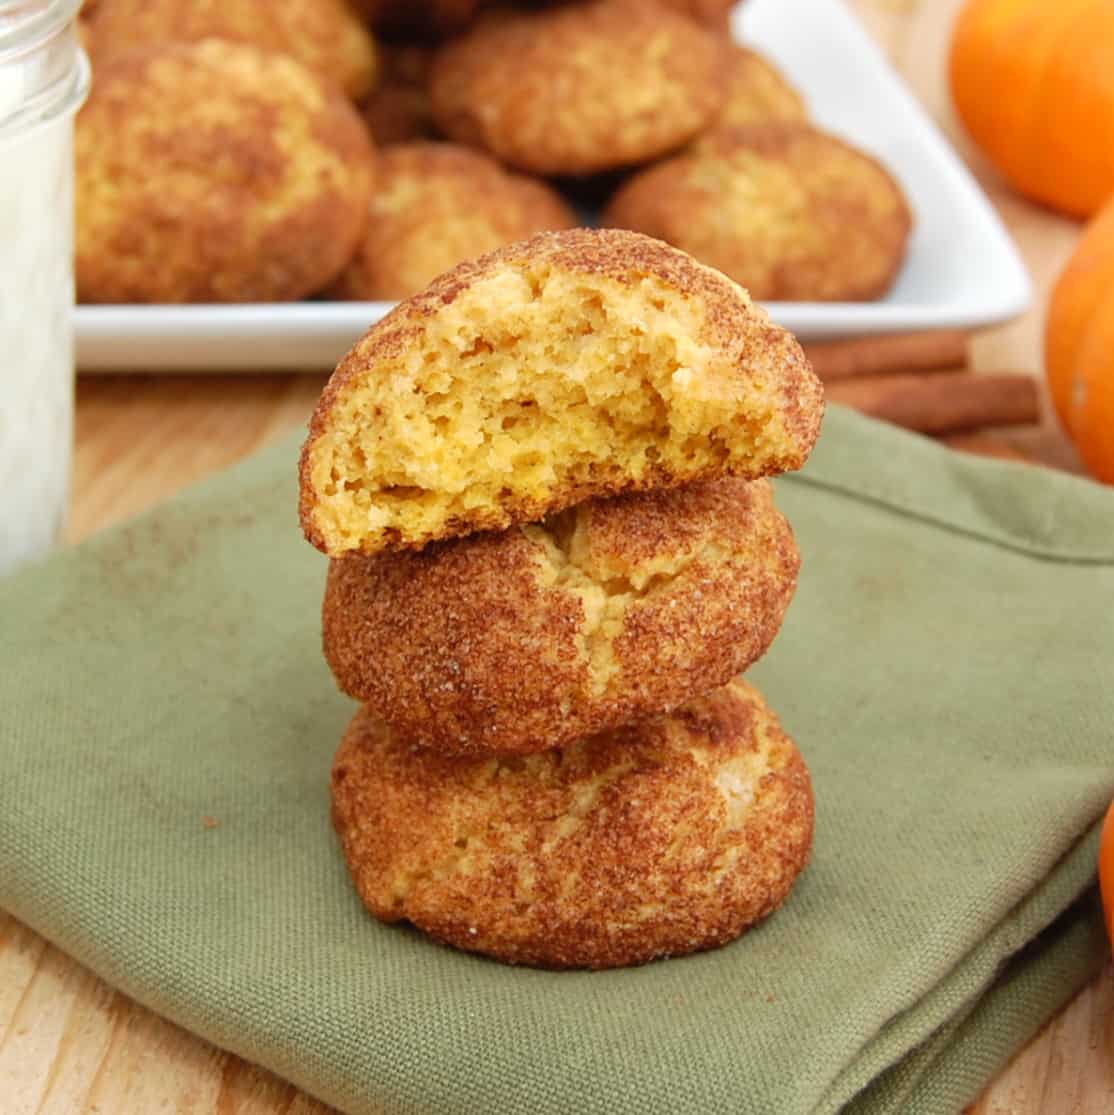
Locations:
70 1044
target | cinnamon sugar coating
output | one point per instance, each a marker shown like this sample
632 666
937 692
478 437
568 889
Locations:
613 611
215 172
788 211
436 204
656 840
578 89
324 35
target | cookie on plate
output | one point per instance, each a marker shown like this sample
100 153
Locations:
578 89
324 35
612 611
577 364
215 172
436 204
656 840
786 210
757 92
715 14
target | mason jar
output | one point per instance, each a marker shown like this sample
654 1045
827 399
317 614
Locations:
44 77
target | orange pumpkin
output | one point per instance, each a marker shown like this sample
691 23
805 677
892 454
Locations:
1079 346
1033 82
1106 871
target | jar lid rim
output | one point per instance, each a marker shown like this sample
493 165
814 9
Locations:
26 24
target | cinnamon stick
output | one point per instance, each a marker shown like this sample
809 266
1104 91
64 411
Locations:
939 350
942 404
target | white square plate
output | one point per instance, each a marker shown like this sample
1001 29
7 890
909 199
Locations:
962 269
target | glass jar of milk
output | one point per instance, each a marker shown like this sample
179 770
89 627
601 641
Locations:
44 77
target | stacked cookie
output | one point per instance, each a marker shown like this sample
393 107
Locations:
541 482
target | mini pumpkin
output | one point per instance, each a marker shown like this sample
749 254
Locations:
1033 83
1079 346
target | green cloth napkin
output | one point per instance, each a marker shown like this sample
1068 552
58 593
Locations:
946 668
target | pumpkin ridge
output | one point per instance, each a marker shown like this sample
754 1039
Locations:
1066 12
1049 88
1033 84
1092 391
1074 302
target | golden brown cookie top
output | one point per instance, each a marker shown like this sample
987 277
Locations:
213 171
324 35
528 638
654 840
578 89
785 209
757 92
645 539
572 365
436 204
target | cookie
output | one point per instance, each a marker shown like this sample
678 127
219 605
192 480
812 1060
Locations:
573 365
612 611
578 89
324 35
715 14
757 92
214 172
436 204
790 212
656 840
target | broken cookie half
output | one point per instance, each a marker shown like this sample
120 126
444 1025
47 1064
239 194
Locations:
571 366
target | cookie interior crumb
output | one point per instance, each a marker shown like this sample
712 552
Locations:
531 381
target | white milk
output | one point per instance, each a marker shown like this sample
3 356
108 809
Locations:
43 79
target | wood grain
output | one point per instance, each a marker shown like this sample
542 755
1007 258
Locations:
70 1045
139 439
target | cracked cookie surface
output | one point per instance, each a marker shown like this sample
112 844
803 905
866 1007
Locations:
323 35
654 840
436 204
757 92
215 172
789 211
610 611
578 89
